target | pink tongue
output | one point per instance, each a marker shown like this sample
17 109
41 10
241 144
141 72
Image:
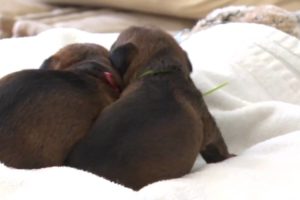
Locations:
111 80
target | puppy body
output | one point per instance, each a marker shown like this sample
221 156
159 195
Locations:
43 113
160 123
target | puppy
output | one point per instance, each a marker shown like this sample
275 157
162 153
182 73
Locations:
159 124
43 113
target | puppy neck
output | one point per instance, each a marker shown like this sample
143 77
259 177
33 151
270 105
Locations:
161 64
156 72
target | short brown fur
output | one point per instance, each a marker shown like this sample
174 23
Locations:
44 112
160 123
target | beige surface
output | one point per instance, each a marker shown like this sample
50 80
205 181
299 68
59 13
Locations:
193 9
27 17
10 8
96 21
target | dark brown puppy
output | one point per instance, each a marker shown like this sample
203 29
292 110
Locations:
43 113
160 123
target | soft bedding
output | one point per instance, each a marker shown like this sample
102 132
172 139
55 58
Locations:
258 112
192 9
19 18
28 17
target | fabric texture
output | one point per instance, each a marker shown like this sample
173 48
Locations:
19 18
192 9
271 15
94 20
10 10
257 112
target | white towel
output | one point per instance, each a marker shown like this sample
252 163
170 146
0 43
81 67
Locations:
258 112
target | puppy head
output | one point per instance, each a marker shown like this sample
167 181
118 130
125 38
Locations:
86 57
140 47
69 56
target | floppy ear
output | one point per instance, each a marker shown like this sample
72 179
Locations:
47 64
122 56
188 62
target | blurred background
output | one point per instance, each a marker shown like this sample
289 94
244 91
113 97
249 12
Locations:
30 17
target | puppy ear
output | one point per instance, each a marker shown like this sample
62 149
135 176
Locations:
122 56
47 64
188 62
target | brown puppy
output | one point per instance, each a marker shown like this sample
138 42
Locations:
43 113
160 123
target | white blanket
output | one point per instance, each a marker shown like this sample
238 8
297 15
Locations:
258 113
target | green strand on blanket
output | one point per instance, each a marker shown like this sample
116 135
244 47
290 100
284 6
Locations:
215 89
